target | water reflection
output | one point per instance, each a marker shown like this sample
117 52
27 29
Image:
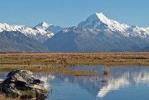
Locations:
114 84
108 79
110 83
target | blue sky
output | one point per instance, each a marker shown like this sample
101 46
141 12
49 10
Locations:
71 12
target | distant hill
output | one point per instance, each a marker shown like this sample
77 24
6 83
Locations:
15 41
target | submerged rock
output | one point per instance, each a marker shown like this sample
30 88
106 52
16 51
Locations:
22 84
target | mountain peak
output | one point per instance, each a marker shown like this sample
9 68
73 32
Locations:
42 25
102 17
45 24
100 21
96 21
99 14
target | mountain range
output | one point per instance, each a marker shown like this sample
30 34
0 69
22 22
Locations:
96 33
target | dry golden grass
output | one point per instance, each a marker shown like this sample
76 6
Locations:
59 62
49 69
133 58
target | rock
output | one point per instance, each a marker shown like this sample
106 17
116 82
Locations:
22 83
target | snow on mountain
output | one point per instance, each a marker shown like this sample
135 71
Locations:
99 20
40 32
100 33
51 28
138 31
96 33
42 26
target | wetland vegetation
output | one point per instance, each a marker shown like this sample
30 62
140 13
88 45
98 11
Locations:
73 65
119 58
59 62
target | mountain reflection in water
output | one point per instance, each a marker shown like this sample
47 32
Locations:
110 83
108 79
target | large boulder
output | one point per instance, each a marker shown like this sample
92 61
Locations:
22 84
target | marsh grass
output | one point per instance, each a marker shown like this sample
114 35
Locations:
59 62
133 58
50 70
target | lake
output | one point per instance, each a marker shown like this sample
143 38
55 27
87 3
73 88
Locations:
109 83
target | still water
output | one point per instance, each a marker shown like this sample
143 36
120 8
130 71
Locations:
110 83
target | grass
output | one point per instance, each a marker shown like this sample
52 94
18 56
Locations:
131 58
50 70
59 62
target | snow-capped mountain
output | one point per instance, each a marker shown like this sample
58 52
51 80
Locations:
24 38
40 32
96 33
100 33
42 26
100 22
